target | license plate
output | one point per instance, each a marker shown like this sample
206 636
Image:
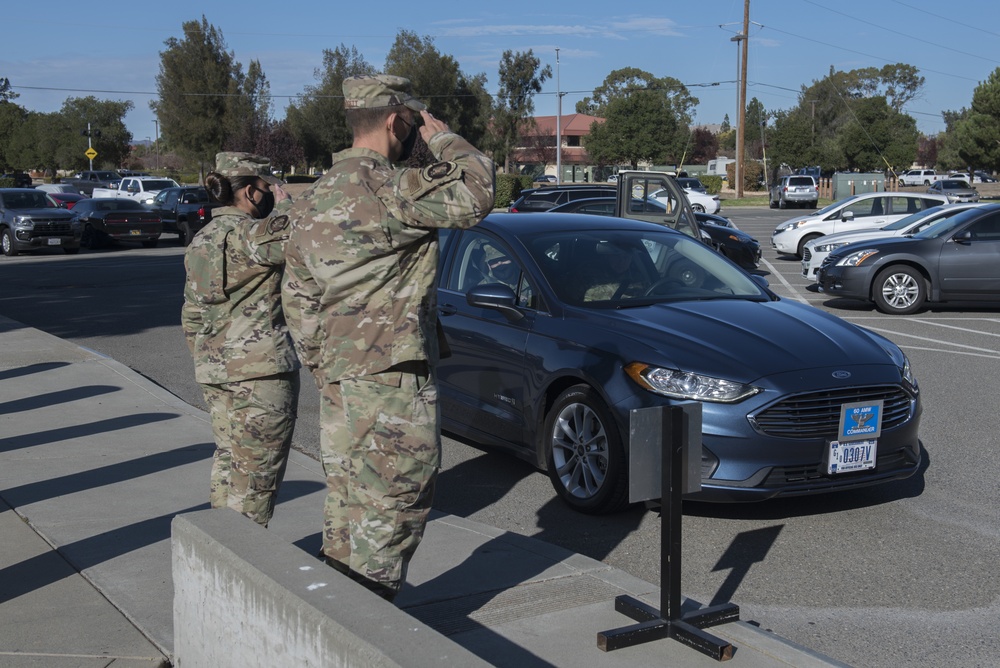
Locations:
54 242
135 233
851 456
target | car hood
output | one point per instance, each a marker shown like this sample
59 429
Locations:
744 340
42 212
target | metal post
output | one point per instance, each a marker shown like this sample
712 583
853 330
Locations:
89 146
738 186
668 621
558 123
156 145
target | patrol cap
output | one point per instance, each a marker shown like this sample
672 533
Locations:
381 90
236 163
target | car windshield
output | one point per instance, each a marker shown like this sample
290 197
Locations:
117 205
903 223
835 206
158 185
26 200
948 225
612 268
107 176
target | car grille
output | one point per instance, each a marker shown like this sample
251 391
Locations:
806 254
45 228
817 414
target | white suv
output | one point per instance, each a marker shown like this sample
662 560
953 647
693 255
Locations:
858 212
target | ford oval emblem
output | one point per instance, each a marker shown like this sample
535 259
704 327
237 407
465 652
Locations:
842 375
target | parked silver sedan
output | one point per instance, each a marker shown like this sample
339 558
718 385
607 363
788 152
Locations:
955 190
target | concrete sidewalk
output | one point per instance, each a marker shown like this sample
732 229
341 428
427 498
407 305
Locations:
95 461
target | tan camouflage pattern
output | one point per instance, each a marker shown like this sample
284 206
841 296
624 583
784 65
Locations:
253 422
382 90
381 450
234 163
359 298
243 355
362 256
232 315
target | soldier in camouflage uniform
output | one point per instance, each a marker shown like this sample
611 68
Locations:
359 297
232 319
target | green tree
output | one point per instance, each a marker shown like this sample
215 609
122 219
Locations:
113 145
704 146
638 127
880 138
251 111
521 78
977 136
6 94
12 120
317 120
755 129
199 85
678 104
457 99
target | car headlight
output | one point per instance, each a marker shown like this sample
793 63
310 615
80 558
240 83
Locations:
828 247
856 258
907 374
685 385
23 222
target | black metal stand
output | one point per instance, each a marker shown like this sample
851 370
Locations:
668 622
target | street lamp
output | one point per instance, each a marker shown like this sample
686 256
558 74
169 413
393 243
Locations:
559 96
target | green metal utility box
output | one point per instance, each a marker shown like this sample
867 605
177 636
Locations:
846 184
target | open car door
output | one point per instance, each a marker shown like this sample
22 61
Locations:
636 189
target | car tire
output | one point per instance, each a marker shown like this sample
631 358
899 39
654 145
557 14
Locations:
184 234
91 239
71 251
899 290
782 204
771 204
802 243
584 453
698 208
7 242
150 243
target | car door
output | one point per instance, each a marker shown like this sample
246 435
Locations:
865 214
970 261
482 378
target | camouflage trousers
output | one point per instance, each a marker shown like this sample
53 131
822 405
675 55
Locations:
253 421
381 450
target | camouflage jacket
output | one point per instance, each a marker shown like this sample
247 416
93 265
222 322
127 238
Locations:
232 315
362 257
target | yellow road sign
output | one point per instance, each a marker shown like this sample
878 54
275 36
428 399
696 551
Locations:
91 153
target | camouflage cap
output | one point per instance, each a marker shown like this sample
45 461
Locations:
381 90
231 164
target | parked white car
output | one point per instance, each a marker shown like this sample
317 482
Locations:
866 211
815 251
700 202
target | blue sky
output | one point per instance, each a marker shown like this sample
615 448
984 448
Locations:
58 49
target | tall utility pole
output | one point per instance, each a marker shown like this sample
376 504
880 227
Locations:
738 169
559 96
743 98
156 145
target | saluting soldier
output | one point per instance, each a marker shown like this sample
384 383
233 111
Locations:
359 297
244 358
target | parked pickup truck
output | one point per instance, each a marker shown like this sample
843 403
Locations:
140 188
85 182
920 177
183 210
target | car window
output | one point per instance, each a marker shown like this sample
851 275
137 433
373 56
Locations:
482 260
871 206
987 229
800 181
623 268
26 200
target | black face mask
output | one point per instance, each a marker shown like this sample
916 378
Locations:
266 204
408 142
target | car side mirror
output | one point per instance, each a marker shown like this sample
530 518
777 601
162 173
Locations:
497 297
847 216
963 237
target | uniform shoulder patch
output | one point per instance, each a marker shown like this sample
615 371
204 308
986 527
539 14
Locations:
277 224
439 170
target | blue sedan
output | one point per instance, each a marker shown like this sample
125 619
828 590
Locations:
556 327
